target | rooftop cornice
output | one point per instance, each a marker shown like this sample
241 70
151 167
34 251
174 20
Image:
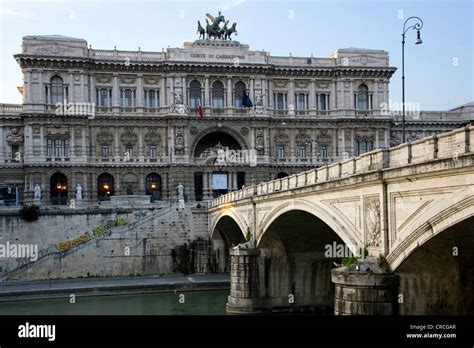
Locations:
91 64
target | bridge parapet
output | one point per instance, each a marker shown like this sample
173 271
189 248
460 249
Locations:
447 145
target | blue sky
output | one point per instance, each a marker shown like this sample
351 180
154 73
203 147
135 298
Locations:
301 27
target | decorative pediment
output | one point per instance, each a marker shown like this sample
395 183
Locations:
15 137
57 133
280 83
153 137
104 79
301 83
129 136
302 137
128 80
282 137
323 138
104 136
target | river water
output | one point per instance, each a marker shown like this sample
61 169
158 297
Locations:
210 302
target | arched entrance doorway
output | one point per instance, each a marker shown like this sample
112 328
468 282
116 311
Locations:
220 150
153 186
58 189
105 186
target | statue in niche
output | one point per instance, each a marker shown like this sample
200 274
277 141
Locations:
37 190
259 143
179 143
78 192
373 222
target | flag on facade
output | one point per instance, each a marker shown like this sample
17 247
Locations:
246 102
200 111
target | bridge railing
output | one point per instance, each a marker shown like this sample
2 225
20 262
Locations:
447 145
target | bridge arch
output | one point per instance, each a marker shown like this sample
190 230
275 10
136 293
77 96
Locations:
300 245
344 231
227 230
436 265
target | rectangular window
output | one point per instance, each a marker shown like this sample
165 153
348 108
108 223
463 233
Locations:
152 151
322 101
129 150
323 151
152 98
300 101
280 151
58 147
66 147
302 151
49 148
15 149
364 146
105 151
127 96
104 97
280 101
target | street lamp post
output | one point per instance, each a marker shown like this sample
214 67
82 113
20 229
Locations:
417 26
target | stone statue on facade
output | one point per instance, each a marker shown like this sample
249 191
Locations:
216 27
180 189
37 190
178 105
78 192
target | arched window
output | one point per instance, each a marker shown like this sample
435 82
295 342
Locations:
217 94
57 90
58 189
239 94
153 186
362 98
105 186
195 94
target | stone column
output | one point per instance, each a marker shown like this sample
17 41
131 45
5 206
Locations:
375 101
169 90
234 182
71 86
385 140
30 142
333 99
163 101
270 92
115 92
92 94
140 97
206 92
376 138
185 90
84 145
29 94
364 293
72 145
140 144
334 150
42 144
244 282
264 93
351 147
229 94
2 145
41 91
291 92
117 154
342 148
83 88
312 95
251 88
351 95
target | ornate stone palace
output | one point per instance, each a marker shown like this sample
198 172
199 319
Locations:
140 123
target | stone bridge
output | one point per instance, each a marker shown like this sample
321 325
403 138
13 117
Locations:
409 207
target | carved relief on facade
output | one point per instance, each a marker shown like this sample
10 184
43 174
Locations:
179 143
129 136
15 137
323 137
281 137
372 221
259 140
280 83
302 138
395 138
154 138
104 136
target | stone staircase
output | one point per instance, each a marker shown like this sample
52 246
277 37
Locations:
118 231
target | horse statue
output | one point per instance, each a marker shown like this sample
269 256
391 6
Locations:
201 31
230 31
224 29
215 29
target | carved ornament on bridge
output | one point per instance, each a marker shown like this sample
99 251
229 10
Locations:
372 219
